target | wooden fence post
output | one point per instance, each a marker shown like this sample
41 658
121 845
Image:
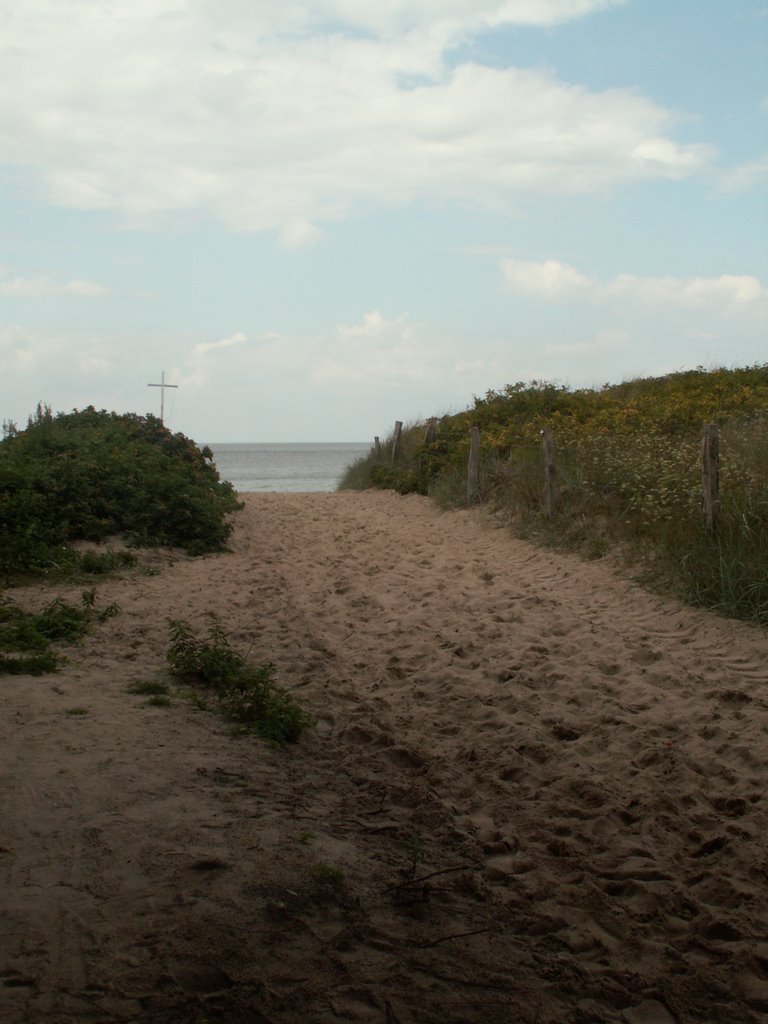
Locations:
549 472
396 441
377 448
473 470
429 437
710 474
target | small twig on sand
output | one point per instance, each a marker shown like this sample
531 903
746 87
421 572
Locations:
94 1003
423 878
456 935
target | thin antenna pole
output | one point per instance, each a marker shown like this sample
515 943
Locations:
162 385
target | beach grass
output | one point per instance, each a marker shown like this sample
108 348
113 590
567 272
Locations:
628 477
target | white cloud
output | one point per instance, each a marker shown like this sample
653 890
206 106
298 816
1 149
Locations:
554 280
206 347
377 352
550 279
398 15
664 159
200 364
464 366
746 176
32 287
603 342
94 364
727 289
29 354
299 233
284 116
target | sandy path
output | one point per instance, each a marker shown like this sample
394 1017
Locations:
580 768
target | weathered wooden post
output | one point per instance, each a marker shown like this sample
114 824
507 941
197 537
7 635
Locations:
473 470
396 441
377 448
429 437
710 474
548 504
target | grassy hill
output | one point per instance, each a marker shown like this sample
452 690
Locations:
628 475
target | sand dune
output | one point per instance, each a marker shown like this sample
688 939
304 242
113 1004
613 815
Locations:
535 793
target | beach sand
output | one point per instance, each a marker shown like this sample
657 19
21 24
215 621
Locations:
535 792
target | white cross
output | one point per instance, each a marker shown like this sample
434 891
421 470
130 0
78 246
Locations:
162 385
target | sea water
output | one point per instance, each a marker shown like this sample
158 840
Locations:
286 467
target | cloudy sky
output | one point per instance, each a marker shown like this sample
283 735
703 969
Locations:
319 217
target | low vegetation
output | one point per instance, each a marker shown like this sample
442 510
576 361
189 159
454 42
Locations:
628 476
245 693
29 641
148 688
86 475
157 693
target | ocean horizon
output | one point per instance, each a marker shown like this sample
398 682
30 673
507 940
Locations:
286 466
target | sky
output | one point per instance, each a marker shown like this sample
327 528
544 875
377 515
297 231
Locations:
317 218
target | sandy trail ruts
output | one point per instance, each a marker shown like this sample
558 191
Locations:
535 793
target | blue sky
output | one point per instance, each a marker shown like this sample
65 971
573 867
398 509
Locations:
319 218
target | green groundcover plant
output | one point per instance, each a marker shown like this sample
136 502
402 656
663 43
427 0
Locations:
27 638
88 474
245 693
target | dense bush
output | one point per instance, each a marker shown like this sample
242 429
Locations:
628 475
85 475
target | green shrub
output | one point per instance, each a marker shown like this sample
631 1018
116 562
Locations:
247 694
85 475
100 563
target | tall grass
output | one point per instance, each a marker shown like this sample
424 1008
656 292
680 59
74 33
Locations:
628 477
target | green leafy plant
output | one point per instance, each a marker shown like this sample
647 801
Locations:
86 475
245 693
327 874
197 700
26 637
148 688
29 664
159 700
327 883
100 563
